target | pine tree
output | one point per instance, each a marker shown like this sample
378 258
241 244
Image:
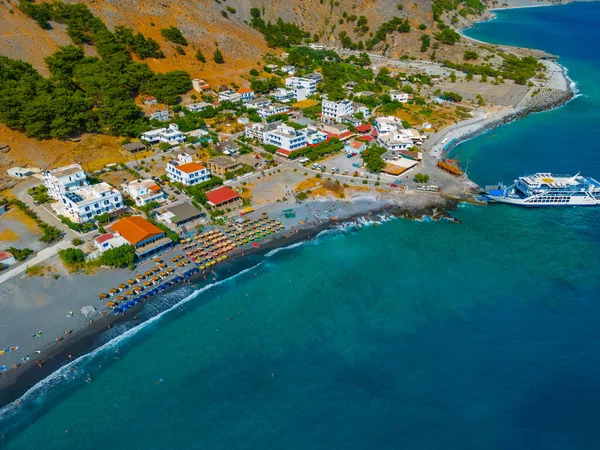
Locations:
218 57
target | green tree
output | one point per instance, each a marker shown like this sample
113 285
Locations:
200 56
71 256
421 178
174 35
470 55
123 256
218 56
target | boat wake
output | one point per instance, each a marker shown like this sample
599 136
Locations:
77 368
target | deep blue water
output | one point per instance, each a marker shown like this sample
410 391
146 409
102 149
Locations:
412 335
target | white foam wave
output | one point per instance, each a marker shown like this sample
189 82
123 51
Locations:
65 373
277 250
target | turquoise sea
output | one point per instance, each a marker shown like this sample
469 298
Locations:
408 335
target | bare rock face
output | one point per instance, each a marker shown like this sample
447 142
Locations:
4 148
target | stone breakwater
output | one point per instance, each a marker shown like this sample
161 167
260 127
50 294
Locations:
544 100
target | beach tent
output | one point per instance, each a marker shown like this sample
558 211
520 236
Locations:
87 310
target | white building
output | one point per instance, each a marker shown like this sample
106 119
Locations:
187 172
392 135
399 96
144 191
108 241
309 84
272 110
286 138
246 94
200 85
65 179
257 103
231 96
84 204
334 111
291 70
170 135
161 115
283 95
197 107
360 108
258 130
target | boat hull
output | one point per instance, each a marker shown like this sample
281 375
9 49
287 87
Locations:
528 204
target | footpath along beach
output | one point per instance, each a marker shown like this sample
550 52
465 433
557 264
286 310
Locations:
35 311
559 89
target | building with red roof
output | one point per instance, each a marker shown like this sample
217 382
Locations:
222 196
364 128
7 258
147 238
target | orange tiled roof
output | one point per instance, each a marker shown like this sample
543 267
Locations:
244 90
191 167
135 229
155 188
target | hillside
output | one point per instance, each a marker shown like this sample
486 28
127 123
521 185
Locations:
204 25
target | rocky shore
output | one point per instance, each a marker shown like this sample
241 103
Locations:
556 91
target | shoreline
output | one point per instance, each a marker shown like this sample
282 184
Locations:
17 383
560 90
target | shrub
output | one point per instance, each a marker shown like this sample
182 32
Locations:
77 241
421 178
200 56
123 256
20 254
218 57
174 35
71 256
470 54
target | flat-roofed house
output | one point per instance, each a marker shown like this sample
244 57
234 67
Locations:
65 179
84 204
144 191
187 172
221 165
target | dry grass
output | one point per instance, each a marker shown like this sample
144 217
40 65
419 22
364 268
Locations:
305 104
308 184
9 236
19 216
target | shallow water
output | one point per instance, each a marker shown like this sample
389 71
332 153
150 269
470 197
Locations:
413 335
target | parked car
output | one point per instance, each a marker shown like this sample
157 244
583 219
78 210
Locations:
356 165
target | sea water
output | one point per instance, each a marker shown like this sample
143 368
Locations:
412 335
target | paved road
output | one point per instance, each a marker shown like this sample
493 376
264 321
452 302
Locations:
40 257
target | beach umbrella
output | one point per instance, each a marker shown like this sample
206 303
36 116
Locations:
120 298
147 283
147 274
162 265
129 293
122 286
140 277
163 274
110 304
155 278
138 289
112 291
102 296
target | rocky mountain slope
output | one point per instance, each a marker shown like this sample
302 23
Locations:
207 24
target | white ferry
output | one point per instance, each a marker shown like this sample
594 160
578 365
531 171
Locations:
546 189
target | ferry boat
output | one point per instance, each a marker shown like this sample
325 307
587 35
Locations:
546 189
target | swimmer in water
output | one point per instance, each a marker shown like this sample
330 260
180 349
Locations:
160 381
